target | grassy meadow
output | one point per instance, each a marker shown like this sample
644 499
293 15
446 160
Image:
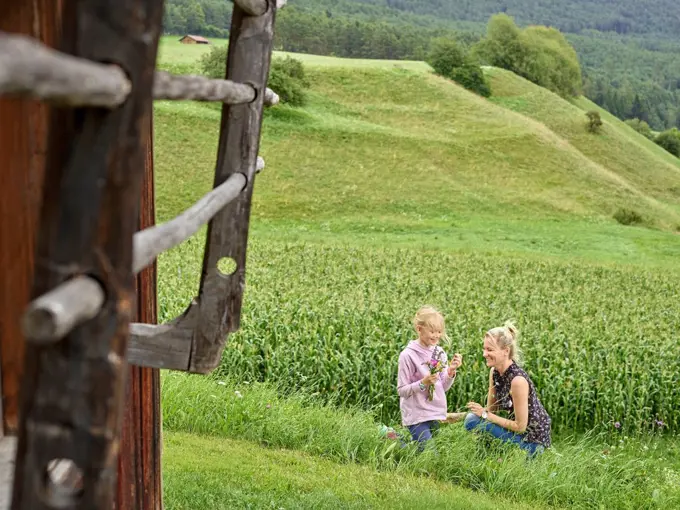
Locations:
268 478
393 188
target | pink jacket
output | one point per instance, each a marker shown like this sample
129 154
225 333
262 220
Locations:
415 408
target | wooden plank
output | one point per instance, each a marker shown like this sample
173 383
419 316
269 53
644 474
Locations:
2 428
161 346
23 126
216 311
221 296
73 393
7 449
139 467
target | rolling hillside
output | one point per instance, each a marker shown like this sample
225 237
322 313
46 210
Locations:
395 151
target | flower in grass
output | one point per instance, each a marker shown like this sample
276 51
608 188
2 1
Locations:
238 394
221 383
617 425
660 423
268 406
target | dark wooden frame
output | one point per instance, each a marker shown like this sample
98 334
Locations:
23 146
87 167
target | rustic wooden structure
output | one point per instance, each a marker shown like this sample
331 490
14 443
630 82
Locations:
193 39
79 347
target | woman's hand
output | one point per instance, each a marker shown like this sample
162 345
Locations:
456 362
430 379
475 408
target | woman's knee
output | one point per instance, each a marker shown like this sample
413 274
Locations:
471 421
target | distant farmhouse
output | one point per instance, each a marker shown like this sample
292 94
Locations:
193 39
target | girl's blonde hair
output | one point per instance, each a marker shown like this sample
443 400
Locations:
429 317
506 336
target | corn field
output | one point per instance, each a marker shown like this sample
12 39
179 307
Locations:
601 344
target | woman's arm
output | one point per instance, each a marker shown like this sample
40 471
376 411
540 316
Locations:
520 399
491 394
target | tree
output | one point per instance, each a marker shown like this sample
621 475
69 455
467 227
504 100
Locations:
502 46
638 111
471 76
448 60
195 17
287 75
552 62
540 54
594 121
444 56
641 127
670 140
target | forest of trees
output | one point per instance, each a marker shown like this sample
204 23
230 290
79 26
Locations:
574 16
632 72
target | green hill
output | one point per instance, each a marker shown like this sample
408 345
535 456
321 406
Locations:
390 153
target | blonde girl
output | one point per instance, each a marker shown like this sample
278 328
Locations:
419 414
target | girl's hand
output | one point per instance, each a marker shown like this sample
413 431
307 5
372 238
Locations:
430 379
456 362
475 408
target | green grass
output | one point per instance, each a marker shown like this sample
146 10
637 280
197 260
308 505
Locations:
172 52
197 476
393 188
582 473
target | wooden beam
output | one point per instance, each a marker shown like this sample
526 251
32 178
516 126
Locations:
73 393
23 127
139 467
7 448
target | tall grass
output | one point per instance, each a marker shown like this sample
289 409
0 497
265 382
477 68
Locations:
600 343
574 473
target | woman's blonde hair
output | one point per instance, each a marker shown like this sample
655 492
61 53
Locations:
429 317
506 336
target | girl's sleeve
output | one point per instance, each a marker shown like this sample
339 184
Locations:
405 387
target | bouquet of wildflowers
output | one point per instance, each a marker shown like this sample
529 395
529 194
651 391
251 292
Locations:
435 365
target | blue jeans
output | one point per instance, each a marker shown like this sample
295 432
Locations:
472 421
422 432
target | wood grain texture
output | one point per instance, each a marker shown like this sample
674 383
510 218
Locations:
7 451
23 127
216 310
220 296
139 467
73 393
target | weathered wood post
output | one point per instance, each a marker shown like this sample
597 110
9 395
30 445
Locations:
23 138
83 418
23 144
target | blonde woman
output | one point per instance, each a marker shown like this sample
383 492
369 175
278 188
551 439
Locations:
422 394
511 392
